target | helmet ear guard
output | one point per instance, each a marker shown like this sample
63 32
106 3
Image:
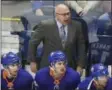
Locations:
52 64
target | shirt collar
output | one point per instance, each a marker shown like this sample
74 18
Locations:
58 24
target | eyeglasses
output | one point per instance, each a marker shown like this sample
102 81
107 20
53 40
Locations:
63 14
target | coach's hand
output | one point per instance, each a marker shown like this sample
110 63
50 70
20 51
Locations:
80 70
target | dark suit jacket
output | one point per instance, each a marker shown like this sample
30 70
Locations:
47 31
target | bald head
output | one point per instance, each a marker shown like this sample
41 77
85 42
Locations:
62 13
60 7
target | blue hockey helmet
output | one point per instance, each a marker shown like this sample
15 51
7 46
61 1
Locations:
98 70
10 58
56 56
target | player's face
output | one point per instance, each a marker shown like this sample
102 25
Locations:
60 67
13 69
102 81
64 16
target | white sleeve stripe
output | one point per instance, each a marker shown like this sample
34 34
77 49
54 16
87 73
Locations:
89 86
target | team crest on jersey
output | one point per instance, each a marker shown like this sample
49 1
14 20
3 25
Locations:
56 87
36 84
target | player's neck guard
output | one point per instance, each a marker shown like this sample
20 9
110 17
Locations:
56 80
5 76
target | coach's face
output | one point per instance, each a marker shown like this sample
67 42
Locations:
63 14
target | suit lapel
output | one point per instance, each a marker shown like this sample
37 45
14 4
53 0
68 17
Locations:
69 36
57 36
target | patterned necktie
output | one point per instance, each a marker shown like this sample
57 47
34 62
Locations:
63 35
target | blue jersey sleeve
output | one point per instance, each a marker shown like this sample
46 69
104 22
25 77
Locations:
40 79
76 81
109 84
84 84
28 80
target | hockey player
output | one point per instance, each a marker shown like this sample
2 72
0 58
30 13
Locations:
99 79
12 76
57 76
